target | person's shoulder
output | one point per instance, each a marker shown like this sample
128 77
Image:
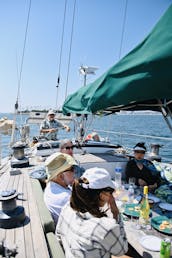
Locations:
105 224
45 121
66 210
131 161
148 161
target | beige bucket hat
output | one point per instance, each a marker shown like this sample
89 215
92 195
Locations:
58 163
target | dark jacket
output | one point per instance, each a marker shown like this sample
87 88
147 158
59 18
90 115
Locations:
147 173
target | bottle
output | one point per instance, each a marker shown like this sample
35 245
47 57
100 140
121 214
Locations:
131 193
118 177
144 209
165 248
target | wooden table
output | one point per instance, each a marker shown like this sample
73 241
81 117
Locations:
29 237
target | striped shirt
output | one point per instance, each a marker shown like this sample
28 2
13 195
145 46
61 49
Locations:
85 236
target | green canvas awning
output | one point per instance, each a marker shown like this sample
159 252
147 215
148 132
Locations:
140 80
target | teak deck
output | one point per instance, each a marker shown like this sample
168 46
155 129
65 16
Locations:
29 237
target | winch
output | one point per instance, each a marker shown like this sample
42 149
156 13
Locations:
154 153
11 215
19 160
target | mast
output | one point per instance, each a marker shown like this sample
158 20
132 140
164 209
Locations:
20 76
85 70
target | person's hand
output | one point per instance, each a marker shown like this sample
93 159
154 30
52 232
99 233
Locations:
142 182
67 128
52 130
152 187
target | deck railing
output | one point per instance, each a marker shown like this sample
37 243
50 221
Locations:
130 139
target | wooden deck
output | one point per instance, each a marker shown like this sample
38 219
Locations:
29 237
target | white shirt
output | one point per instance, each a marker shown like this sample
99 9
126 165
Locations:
55 197
85 236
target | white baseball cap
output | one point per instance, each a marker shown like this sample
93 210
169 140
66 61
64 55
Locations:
98 178
51 112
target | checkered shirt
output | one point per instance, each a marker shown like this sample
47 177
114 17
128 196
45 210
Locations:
85 236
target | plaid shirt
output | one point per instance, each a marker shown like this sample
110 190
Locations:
85 236
47 124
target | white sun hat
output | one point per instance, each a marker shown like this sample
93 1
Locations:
98 178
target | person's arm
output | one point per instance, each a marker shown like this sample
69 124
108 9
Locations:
63 126
67 128
48 130
115 240
129 170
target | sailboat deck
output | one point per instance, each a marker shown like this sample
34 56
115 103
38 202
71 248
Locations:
28 237
31 237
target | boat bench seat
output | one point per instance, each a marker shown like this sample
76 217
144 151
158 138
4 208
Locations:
55 248
45 216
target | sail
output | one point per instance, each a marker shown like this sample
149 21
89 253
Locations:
140 80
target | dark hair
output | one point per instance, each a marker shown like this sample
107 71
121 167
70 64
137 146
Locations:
141 145
86 200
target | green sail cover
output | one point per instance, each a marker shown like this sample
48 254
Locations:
138 81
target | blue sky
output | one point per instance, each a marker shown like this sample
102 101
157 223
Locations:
96 42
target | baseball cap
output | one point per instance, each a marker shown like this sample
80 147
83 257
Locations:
98 178
51 112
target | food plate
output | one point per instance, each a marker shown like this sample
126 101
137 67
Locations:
156 222
165 206
155 243
132 210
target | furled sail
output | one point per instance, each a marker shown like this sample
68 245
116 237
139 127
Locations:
142 80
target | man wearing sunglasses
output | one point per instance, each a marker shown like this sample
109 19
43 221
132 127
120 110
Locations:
66 146
60 170
141 169
50 126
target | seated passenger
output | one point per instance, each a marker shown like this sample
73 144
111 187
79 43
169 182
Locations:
141 169
66 146
50 126
93 137
60 171
86 227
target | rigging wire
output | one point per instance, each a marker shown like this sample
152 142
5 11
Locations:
23 52
61 50
70 49
20 74
123 28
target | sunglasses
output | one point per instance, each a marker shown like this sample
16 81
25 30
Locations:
70 170
69 147
142 152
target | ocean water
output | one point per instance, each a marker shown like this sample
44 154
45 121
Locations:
124 131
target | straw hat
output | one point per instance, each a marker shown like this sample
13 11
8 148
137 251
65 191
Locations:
58 163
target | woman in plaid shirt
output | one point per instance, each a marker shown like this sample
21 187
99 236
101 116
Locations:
90 226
